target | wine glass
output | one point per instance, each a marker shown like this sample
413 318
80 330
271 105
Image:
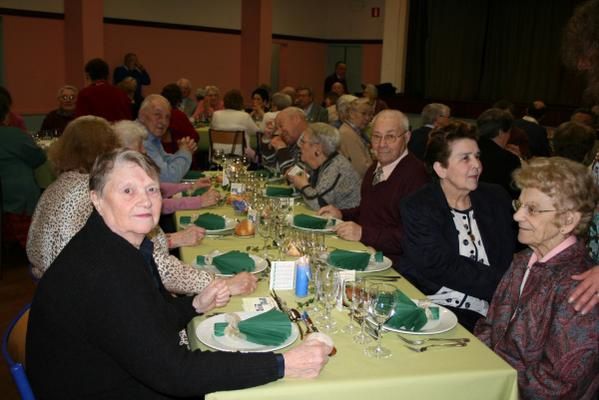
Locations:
351 294
265 231
381 308
362 299
219 157
330 292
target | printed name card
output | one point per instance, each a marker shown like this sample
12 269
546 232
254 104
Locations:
282 275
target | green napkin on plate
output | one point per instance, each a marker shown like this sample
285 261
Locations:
310 222
197 192
185 220
271 328
210 221
230 263
194 175
356 260
279 191
408 315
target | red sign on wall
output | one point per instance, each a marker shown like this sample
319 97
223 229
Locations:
375 12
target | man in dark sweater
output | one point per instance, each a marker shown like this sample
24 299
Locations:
376 221
59 118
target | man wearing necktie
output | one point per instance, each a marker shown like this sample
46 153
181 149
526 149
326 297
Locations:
376 221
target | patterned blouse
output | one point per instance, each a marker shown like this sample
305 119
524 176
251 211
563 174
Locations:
62 211
554 349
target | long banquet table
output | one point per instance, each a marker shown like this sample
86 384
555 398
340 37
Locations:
472 372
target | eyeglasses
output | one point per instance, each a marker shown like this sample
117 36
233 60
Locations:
69 97
388 139
529 209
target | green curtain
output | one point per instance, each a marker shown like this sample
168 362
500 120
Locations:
477 50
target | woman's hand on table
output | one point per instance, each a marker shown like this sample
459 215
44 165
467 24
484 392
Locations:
242 283
202 183
586 294
307 359
210 198
348 230
190 236
299 181
330 211
216 294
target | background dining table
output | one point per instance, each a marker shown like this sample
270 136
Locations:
471 372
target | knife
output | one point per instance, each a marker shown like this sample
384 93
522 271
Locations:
283 307
312 328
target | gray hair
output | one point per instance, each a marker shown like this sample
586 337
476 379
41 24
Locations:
184 82
211 88
404 122
370 88
152 100
432 111
130 133
107 162
67 87
293 111
343 104
281 100
326 135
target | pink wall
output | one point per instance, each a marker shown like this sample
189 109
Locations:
169 54
34 62
302 64
372 55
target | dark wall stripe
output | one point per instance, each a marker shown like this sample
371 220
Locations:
184 27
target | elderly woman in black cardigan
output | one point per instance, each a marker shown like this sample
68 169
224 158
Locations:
101 323
458 233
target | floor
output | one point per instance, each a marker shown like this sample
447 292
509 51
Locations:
16 290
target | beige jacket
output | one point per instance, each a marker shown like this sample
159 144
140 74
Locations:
353 148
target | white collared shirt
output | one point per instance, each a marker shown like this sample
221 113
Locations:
530 119
389 168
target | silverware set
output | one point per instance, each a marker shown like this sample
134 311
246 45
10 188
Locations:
445 342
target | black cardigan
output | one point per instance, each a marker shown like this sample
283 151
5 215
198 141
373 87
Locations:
431 256
99 327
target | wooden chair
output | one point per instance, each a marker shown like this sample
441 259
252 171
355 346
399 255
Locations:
233 142
13 350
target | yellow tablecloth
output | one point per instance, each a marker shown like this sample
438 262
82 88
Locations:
473 372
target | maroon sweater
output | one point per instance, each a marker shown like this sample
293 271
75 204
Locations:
378 213
103 100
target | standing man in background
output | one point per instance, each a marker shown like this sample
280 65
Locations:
134 69
337 76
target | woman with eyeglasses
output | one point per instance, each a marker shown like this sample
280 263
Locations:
530 322
332 180
458 232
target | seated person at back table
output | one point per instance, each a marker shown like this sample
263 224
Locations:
282 151
58 119
377 221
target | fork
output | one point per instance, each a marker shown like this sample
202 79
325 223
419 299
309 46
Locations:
418 342
425 348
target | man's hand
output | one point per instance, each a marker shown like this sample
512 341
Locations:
277 143
299 181
210 198
330 211
348 231
190 236
586 294
242 283
188 144
202 183
216 294
307 359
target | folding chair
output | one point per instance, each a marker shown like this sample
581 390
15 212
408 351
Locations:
13 351
232 142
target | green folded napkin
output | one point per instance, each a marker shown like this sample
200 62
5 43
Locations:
356 260
185 220
310 222
210 221
230 263
278 191
408 315
197 192
194 175
271 328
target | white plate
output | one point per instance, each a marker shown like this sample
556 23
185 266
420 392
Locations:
325 230
205 333
373 266
447 320
259 262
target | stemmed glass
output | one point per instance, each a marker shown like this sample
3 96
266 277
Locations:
362 299
330 292
381 308
351 298
265 231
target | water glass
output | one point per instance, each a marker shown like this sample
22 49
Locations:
381 308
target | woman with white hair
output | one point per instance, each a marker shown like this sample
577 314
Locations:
332 180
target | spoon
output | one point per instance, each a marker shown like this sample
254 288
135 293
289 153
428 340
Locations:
418 342
296 317
425 348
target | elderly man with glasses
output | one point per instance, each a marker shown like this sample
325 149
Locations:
58 119
376 221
